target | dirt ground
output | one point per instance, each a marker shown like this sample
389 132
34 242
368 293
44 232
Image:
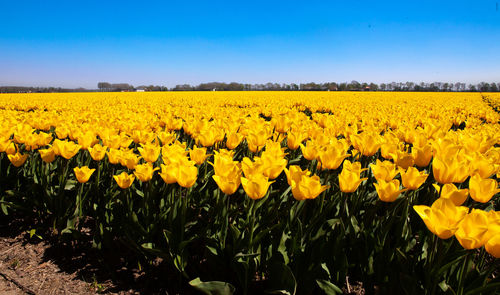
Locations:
23 270
50 266
46 266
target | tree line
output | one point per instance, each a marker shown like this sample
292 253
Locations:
312 86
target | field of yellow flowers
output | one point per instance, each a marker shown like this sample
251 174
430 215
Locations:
281 192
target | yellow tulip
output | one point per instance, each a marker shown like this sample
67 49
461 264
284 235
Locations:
385 170
17 159
228 184
47 155
128 159
83 173
272 166
349 178
307 187
442 218
86 140
450 191
149 152
310 151
403 159
412 178
471 233
442 172
97 152
493 224
367 144
233 140
482 166
255 185
295 173
124 180
493 246
294 139
114 155
187 175
482 190
422 155
145 172
332 158
388 191
198 155
68 149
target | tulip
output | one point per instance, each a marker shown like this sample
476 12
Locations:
412 178
7 146
310 151
207 137
198 155
128 159
295 173
228 184
149 152
83 174
169 173
233 140
97 152
87 140
403 159
187 175
471 233
47 155
385 170
17 159
166 138
272 166
482 190
450 191
349 178
68 149
367 144
294 139
145 172
493 246
124 180
255 185
307 187
422 155
257 139
493 224
114 155
442 218
388 191
332 158
482 166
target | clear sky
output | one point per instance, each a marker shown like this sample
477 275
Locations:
79 43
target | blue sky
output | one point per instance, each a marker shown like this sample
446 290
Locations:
79 43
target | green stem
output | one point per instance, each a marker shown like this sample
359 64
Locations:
462 275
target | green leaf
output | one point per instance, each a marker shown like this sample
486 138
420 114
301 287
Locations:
212 287
483 289
70 184
281 279
328 288
4 208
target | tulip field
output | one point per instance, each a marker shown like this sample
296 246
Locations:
267 192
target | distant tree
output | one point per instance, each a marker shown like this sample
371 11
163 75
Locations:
493 87
382 86
484 87
104 86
